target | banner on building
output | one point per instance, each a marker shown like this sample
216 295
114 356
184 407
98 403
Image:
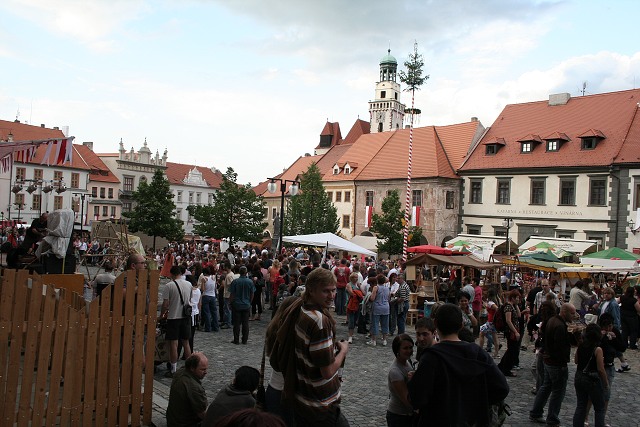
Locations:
415 216
368 214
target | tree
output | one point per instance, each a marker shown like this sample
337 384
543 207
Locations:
236 212
154 211
311 211
390 224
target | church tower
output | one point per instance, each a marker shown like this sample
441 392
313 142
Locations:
386 112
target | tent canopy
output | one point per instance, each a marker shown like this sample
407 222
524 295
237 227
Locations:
465 260
577 247
429 249
612 257
480 245
330 240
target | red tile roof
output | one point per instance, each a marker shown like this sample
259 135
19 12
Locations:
25 132
332 129
177 172
612 114
293 172
99 171
359 128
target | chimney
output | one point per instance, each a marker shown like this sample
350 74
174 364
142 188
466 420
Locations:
307 155
10 137
559 99
41 125
474 119
88 144
56 128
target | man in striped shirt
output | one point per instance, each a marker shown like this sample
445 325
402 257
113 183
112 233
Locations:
318 356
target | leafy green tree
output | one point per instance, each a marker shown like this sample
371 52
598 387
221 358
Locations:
389 226
154 211
311 211
236 212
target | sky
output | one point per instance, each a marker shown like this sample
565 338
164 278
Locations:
249 84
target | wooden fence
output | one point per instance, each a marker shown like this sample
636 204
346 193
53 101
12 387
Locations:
67 363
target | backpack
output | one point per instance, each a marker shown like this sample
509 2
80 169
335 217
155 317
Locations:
498 319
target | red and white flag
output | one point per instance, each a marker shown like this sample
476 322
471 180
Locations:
368 214
415 216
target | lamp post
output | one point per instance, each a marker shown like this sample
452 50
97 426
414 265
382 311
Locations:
508 223
80 197
293 190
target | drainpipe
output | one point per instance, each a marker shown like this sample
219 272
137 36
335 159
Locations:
617 207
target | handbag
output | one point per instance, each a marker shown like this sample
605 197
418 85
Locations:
187 310
591 374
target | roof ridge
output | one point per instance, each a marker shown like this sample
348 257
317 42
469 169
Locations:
446 155
360 169
626 135
75 148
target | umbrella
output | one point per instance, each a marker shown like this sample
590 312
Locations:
545 247
429 249
612 257
464 246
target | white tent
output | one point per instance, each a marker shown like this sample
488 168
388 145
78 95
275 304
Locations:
328 240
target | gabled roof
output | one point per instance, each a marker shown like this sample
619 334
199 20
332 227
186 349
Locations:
613 115
325 164
98 170
437 152
25 132
359 128
333 130
178 172
292 173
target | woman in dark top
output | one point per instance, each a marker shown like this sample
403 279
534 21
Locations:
591 379
629 310
511 333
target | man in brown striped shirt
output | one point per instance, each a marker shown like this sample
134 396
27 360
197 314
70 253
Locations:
318 356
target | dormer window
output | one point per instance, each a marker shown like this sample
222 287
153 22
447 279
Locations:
553 145
555 141
528 143
336 170
525 147
491 149
492 145
590 139
347 170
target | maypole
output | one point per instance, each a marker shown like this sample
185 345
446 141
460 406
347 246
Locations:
413 79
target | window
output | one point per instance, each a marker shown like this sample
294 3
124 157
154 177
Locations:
57 176
383 94
36 202
57 202
198 198
599 238
552 145
448 199
37 174
473 229
19 200
274 211
113 211
338 196
504 192
537 191
347 170
179 196
126 206
21 174
94 191
128 183
598 192
75 204
105 211
638 196
336 170
589 143
330 195
491 149
416 198
525 147
96 212
347 196
75 180
564 234
102 192
368 198
210 198
475 195
110 193
567 191
179 214
190 197
346 221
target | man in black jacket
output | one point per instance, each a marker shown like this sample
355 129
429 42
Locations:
556 347
456 382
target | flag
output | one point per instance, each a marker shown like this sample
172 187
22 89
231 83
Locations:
415 216
368 214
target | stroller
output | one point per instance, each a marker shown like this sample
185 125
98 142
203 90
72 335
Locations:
162 347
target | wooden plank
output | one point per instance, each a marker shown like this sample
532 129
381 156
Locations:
151 321
139 353
44 353
115 350
130 302
70 367
103 356
7 295
78 363
17 329
57 361
30 352
91 360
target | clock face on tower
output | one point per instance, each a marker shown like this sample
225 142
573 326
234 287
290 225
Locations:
380 116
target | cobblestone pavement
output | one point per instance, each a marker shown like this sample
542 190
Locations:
364 391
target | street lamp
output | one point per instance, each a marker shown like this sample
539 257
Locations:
272 187
631 227
80 197
507 223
